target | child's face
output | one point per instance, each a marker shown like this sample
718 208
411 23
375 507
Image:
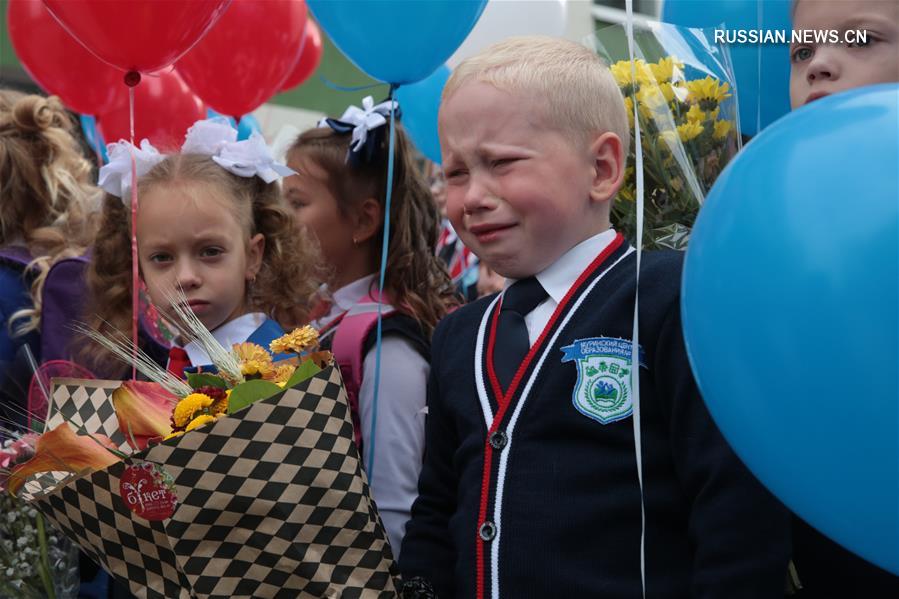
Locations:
818 70
316 208
189 236
518 190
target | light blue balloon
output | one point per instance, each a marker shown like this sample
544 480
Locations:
93 137
420 103
791 314
245 128
397 41
763 93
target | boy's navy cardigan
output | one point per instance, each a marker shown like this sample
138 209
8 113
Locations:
568 520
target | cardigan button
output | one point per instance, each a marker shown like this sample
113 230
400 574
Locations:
487 531
498 439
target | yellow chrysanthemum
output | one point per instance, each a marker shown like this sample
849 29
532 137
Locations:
708 89
189 406
173 435
698 115
296 341
667 91
256 368
247 352
624 75
689 131
722 128
652 102
684 133
695 114
667 69
282 373
200 421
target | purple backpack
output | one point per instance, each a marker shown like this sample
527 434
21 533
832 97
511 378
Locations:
63 298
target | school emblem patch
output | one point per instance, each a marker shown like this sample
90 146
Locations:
603 391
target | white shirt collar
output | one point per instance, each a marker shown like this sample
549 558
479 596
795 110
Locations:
349 295
559 276
233 331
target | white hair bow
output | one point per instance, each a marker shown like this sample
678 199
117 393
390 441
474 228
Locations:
115 177
213 137
365 119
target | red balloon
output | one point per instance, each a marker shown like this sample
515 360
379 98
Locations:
245 59
138 35
57 62
164 108
310 57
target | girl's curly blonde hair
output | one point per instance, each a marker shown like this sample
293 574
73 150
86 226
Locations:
47 200
416 279
290 274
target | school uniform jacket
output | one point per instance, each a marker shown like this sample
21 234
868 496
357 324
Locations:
536 494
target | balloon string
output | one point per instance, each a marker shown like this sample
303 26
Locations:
384 245
135 287
635 335
342 88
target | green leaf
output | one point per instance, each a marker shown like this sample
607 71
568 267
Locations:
304 371
251 391
206 380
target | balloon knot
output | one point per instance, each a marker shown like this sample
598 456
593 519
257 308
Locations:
132 78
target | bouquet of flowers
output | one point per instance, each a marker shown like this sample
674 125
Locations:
35 560
244 482
688 128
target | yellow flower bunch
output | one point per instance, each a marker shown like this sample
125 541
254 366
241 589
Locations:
296 341
197 409
686 142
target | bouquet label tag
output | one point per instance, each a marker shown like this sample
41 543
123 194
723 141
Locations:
147 491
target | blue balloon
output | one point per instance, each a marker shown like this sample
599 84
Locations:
420 103
762 71
791 314
93 137
245 128
397 41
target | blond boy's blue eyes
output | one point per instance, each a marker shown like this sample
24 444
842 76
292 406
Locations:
801 54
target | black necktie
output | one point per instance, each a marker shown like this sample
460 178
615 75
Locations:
512 343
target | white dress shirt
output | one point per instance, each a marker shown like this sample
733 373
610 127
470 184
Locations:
399 437
558 278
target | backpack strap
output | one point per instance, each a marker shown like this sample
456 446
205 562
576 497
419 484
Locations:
348 347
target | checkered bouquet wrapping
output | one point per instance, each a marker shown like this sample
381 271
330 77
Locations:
266 500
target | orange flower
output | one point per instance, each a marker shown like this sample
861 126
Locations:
61 450
144 411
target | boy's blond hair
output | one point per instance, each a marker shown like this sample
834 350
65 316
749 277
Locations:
578 91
